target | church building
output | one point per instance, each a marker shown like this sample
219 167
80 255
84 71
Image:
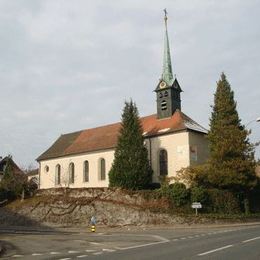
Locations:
173 141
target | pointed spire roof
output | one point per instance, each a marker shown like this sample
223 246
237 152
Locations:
167 75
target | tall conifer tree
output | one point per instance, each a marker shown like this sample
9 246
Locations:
130 169
231 155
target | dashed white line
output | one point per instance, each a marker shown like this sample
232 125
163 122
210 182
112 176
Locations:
98 253
249 240
81 256
55 253
182 238
95 243
90 250
108 250
215 250
16 256
73 252
65 258
143 245
36 254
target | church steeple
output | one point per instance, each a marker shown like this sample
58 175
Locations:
167 76
168 90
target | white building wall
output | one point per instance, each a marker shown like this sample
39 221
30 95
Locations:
47 179
199 148
183 149
177 147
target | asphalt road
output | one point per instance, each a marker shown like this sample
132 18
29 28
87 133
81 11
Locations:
226 242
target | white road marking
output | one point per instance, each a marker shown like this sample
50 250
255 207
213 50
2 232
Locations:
55 253
90 250
252 239
182 238
65 259
17 256
98 253
190 237
95 243
108 250
215 250
35 254
73 252
143 245
81 256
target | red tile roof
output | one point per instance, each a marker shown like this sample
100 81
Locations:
105 137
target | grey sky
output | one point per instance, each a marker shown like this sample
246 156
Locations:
69 65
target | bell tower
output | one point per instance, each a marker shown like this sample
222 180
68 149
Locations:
168 90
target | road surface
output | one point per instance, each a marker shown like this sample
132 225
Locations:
233 242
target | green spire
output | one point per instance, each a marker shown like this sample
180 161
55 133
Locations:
167 65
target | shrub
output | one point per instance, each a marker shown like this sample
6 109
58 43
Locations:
178 194
199 194
223 201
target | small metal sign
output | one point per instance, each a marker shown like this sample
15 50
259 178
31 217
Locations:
196 205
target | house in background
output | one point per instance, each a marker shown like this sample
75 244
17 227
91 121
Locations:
33 176
173 141
3 163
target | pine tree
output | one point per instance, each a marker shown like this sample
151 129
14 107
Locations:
130 169
231 159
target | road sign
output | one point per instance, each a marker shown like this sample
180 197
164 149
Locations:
196 205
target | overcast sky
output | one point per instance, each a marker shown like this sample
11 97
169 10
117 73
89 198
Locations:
70 65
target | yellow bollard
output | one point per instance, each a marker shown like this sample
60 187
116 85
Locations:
93 228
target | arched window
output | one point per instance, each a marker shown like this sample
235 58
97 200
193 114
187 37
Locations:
71 173
102 169
57 175
163 161
86 171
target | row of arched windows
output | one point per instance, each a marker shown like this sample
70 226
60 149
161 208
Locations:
71 173
163 167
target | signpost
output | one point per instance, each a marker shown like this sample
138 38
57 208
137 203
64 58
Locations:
196 206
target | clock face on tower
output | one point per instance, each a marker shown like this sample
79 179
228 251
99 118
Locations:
162 84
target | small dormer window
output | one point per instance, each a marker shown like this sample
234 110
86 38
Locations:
166 93
164 105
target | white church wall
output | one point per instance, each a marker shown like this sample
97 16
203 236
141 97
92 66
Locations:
48 170
183 149
199 150
177 147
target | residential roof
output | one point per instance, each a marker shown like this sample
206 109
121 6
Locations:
33 172
105 137
15 167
